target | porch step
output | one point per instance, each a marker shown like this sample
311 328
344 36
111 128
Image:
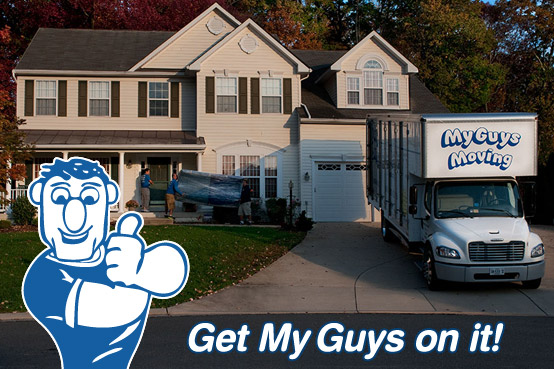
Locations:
157 221
152 218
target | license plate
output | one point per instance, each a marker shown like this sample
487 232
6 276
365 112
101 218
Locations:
497 271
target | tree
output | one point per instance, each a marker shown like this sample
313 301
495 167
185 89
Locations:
525 31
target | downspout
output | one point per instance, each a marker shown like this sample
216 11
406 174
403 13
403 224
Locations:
300 96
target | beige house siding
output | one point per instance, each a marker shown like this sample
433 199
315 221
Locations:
327 142
190 45
395 70
128 119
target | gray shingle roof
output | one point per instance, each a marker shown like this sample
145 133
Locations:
96 137
89 50
320 105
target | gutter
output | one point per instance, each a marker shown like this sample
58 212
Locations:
130 147
332 121
78 73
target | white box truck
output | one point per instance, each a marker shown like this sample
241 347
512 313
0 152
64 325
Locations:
448 185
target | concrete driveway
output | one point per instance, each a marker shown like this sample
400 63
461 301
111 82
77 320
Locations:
346 267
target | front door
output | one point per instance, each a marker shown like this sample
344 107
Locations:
160 169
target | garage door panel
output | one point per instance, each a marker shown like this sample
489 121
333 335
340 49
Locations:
340 192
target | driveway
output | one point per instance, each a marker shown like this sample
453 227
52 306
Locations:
346 267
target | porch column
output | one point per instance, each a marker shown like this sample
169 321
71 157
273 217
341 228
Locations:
199 161
9 182
121 183
65 155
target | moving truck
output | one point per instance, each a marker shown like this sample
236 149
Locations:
448 185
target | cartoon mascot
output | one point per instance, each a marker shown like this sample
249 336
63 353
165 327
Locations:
91 288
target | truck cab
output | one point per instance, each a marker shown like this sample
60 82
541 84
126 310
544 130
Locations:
474 230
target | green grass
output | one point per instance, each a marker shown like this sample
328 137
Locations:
219 257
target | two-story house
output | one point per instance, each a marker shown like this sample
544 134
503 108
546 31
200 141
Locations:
217 96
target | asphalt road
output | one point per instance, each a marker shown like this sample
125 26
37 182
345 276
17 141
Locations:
526 342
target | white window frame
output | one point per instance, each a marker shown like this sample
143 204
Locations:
159 99
368 72
280 79
255 149
46 98
90 83
397 91
236 95
357 77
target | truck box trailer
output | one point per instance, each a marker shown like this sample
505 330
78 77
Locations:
448 184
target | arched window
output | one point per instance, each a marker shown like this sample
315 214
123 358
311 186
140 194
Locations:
373 83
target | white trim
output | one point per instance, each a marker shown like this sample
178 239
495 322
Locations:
301 67
371 56
183 30
89 73
265 145
280 78
408 66
236 94
131 147
109 98
159 99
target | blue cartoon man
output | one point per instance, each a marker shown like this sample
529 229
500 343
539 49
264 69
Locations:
91 288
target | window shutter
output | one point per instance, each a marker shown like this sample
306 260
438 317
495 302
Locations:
62 98
255 95
29 98
210 95
174 99
82 99
287 95
142 93
115 98
243 95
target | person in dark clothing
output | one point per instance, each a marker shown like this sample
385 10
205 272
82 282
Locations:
245 202
145 183
172 189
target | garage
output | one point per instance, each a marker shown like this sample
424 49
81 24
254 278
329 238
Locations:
339 192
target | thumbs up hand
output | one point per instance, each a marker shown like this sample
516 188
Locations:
125 249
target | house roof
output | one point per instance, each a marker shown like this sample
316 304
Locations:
135 139
89 50
320 105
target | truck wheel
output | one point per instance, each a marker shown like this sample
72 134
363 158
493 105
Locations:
532 284
386 232
429 273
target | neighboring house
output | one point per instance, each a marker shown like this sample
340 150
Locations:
218 96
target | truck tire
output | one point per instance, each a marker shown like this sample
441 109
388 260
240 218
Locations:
429 273
532 284
386 232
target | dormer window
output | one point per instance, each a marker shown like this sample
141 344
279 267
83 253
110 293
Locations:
373 83
371 86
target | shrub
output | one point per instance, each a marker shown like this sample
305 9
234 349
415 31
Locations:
276 210
303 223
23 211
4 224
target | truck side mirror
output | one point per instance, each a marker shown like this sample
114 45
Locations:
528 195
412 209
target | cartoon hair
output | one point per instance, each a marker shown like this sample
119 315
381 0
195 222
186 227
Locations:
74 167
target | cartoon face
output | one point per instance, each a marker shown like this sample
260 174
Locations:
74 210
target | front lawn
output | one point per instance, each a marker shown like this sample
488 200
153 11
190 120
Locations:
219 257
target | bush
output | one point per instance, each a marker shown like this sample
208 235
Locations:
4 224
23 211
276 210
303 223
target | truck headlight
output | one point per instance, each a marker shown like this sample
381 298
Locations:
537 251
447 252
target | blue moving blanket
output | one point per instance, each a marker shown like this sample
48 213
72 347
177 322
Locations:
210 189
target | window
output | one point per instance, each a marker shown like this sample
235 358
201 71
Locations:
270 164
99 98
226 93
250 169
271 95
159 99
392 91
353 90
46 98
38 162
373 87
228 162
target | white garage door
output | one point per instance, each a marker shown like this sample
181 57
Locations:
339 192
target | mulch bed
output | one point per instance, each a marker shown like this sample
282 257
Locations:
18 228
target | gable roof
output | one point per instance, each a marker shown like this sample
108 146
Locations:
88 50
259 31
183 30
408 66
320 105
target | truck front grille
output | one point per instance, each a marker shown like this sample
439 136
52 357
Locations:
480 251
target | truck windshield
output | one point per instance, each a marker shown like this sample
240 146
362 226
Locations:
477 199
